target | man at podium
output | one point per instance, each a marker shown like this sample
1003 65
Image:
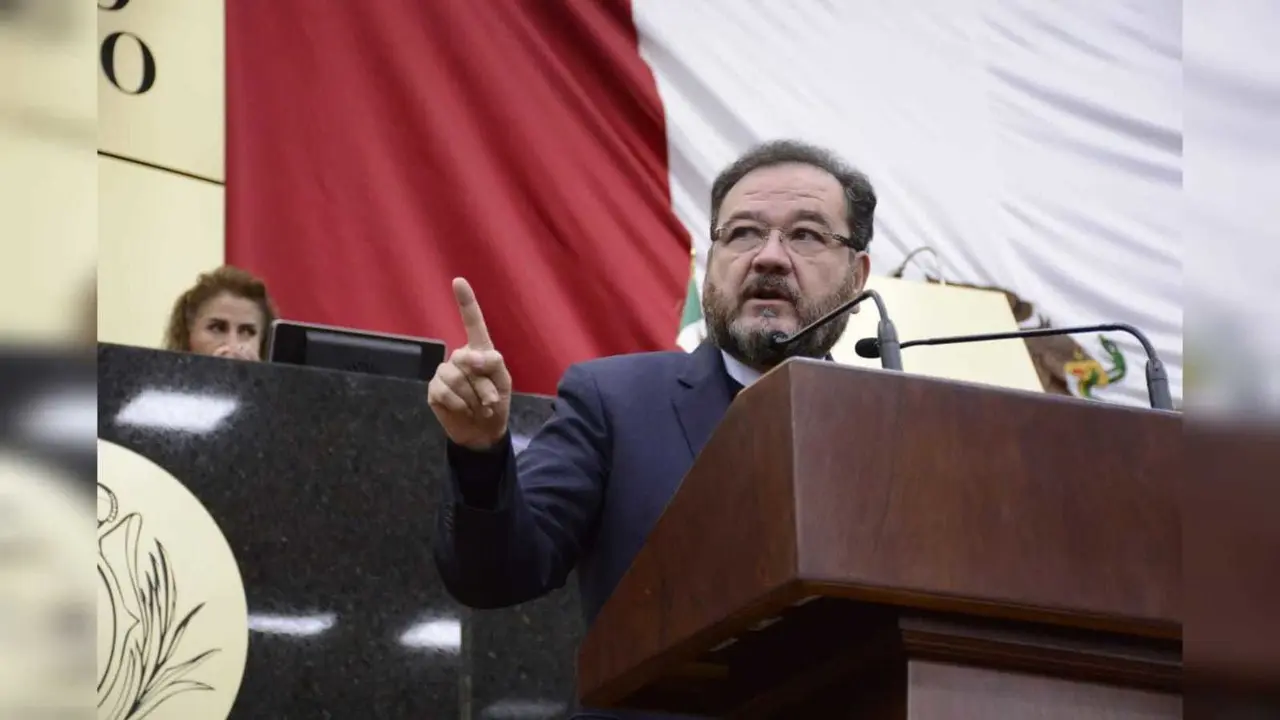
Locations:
790 228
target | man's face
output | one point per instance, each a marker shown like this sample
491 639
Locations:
750 295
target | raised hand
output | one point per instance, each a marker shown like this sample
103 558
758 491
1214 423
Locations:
471 391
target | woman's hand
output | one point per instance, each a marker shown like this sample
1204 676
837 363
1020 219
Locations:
247 351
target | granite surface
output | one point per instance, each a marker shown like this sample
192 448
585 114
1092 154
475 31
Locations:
326 486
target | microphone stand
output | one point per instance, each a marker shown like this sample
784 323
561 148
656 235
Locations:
886 333
1157 376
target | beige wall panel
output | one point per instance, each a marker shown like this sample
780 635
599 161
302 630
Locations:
158 231
179 121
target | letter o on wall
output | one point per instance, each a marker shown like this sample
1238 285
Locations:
111 45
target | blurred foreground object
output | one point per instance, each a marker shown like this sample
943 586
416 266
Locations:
46 603
48 411
1232 563
48 177
1231 497
48 400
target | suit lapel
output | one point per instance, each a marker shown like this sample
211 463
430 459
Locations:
702 396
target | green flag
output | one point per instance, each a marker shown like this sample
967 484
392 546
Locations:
692 330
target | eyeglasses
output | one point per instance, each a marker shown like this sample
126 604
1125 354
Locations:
744 236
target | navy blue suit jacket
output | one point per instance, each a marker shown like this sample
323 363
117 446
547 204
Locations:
590 485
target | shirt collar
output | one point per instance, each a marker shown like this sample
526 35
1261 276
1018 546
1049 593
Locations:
739 372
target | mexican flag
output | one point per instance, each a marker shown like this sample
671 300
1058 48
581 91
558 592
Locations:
692 328
560 156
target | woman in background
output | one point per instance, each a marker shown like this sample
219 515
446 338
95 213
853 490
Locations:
225 314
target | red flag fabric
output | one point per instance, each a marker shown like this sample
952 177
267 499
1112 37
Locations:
375 150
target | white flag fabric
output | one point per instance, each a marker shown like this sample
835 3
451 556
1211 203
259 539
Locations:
1036 145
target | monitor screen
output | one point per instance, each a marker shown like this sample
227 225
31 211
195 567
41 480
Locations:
334 348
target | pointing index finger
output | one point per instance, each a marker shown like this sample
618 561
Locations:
472 318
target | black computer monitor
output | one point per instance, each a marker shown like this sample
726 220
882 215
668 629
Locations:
335 348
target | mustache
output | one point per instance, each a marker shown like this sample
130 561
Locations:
768 286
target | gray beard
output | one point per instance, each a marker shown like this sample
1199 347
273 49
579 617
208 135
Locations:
755 346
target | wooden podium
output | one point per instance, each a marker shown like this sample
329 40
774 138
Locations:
861 543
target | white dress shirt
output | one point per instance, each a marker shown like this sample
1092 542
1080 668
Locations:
743 374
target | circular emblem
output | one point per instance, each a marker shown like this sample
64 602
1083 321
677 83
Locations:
173 625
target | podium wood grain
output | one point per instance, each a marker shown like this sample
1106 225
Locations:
853 540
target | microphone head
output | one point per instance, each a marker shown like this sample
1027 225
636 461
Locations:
867 348
777 338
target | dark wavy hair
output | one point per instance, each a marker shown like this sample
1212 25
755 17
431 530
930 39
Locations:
226 279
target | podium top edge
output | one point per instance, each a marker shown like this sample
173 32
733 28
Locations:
829 366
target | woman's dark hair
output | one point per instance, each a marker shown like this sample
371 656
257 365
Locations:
226 279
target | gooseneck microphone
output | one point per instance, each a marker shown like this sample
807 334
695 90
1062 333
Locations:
1157 376
886 339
